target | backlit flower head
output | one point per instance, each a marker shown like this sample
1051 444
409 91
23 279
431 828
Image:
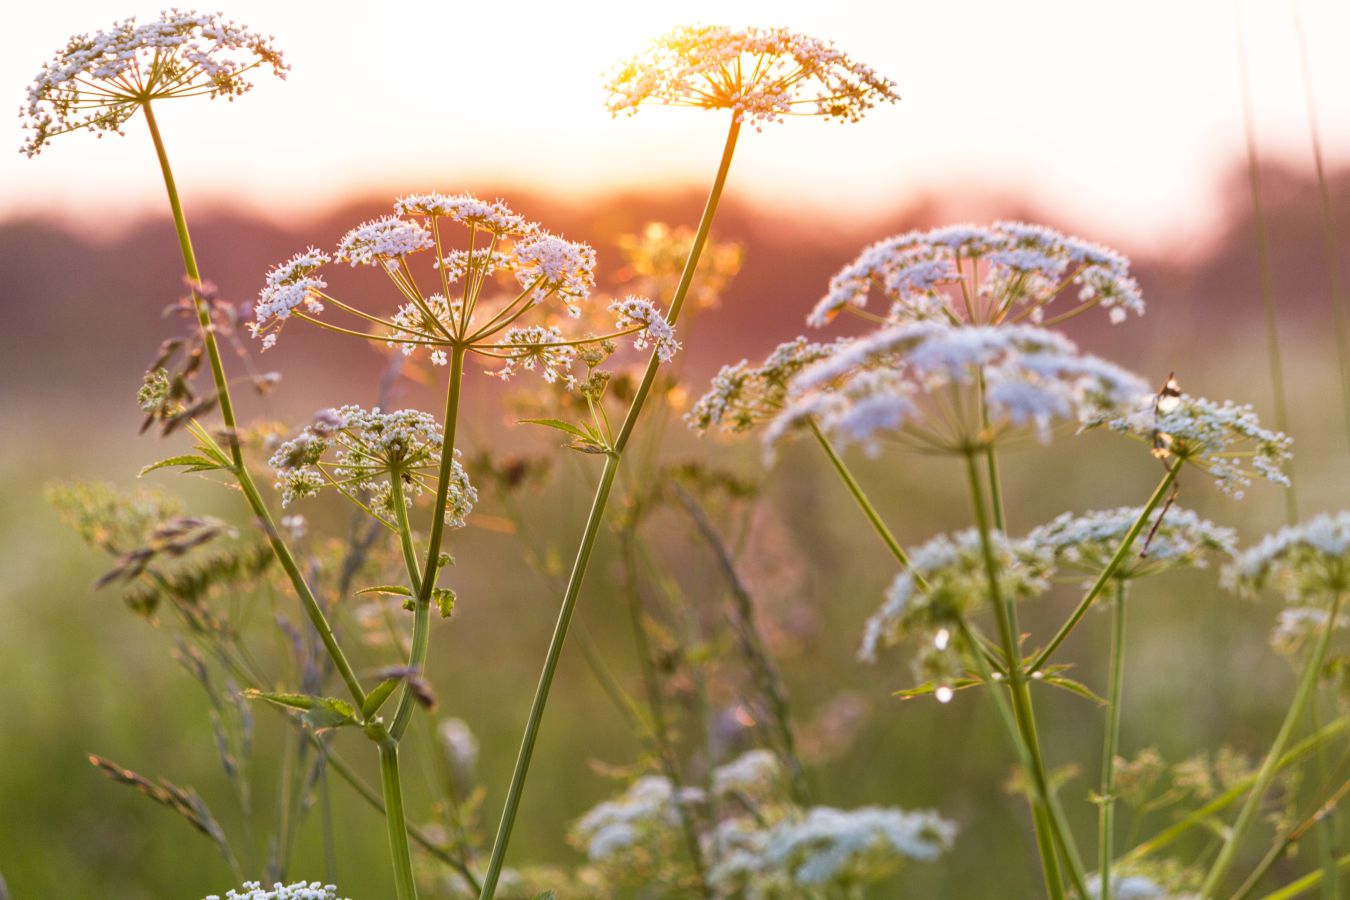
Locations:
743 396
381 241
654 260
636 826
360 452
98 81
953 568
763 74
1084 544
652 327
966 274
921 383
1306 563
1223 439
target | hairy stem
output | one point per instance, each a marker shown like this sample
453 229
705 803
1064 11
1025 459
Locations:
592 528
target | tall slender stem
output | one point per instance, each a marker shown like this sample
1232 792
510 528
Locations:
1266 774
1111 566
250 490
1106 816
592 527
395 823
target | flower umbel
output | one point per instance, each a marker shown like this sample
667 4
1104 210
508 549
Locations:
1306 563
743 397
1085 544
98 81
763 74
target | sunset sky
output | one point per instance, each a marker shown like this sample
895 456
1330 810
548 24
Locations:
1120 119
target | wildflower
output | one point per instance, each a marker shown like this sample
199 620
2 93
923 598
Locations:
379 241
743 397
1134 887
536 346
635 839
98 81
300 890
834 847
1086 543
370 450
289 286
1225 440
755 775
1309 564
651 327
762 74
907 381
953 570
964 274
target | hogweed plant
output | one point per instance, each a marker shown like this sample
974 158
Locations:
958 358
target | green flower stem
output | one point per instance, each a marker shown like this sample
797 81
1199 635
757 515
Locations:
1021 696
250 490
1266 774
1116 559
1307 882
592 528
395 823
1106 816
399 499
417 657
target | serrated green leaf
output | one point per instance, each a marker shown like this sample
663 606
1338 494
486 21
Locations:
375 699
561 426
929 687
387 589
197 464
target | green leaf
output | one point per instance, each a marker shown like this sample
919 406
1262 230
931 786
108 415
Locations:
561 426
292 701
928 687
195 464
387 589
588 446
1075 687
375 699
319 712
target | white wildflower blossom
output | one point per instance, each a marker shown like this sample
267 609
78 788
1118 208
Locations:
953 568
552 265
1086 543
1134 887
649 810
99 80
762 74
1307 563
535 346
495 217
964 274
1225 440
834 847
653 329
289 286
1028 376
743 397
756 774
300 890
412 321
1296 624
381 240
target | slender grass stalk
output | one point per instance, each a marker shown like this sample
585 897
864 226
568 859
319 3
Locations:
1307 882
1294 834
1106 815
1112 565
1263 252
592 528
240 471
1266 774
1056 830
401 854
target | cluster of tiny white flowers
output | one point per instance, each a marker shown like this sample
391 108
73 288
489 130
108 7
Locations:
1085 543
755 774
742 396
554 265
99 80
1133 887
288 286
300 890
953 570
835 847
537 346
1296 624
651 804
653 329
1309 562
972 275
381 240
370 448
411 320
1030 377
1226 440
762 74
495 217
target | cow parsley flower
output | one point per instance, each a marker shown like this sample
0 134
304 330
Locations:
1307 563
953 570
964 274
743 397
370 449
1225 440
933 385
1134 887
650 327
300 890
380 241
756 776
98 81
762 74
1086 543
534 346
834 847
636 838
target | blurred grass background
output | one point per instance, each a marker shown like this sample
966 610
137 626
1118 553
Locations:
83 675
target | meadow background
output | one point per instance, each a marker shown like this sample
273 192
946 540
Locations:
87 264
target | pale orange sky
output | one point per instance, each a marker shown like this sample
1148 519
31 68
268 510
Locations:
1120 118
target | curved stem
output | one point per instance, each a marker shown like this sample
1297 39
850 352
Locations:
592 528
1307 882
1116 559
395 824
1106 821
1266 774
